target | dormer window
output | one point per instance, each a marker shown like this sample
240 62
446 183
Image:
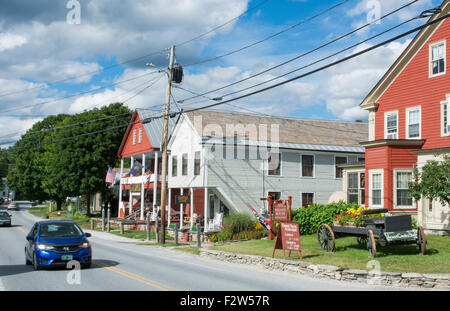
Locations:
437 59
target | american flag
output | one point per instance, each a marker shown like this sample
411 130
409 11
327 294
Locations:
267 224
110 176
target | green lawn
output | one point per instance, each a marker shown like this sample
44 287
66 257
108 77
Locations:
394 258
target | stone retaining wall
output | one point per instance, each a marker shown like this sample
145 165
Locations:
375 277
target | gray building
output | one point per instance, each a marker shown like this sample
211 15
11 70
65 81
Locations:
228 160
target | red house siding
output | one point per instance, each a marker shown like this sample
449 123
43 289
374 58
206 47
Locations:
388 158
413 87
129 149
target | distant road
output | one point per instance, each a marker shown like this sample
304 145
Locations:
123 266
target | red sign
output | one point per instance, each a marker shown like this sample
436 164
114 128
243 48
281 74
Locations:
288 238
280 211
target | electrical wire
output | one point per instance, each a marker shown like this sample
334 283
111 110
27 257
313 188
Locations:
147 120
269 37
303 54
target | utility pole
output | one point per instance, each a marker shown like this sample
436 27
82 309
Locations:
164 151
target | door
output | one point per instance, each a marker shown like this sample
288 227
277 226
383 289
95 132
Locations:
30 243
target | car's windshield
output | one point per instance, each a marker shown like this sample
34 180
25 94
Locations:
3 214
59 230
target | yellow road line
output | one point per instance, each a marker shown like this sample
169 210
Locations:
125 273
134 276
22 229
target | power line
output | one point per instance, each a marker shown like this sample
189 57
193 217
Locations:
303 54
109 100
308 65
269 37
89 121
137 58
78 94
255 92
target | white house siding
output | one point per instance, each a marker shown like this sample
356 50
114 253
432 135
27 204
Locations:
436 220
186 142
246 182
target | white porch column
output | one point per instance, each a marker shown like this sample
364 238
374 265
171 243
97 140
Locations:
120 186
181 209
206 209
142 187
155 184
130 204
192 207
169 206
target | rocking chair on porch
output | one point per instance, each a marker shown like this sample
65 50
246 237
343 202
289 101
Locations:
215 224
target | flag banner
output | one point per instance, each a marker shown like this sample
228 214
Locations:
136 168
267 224
110 176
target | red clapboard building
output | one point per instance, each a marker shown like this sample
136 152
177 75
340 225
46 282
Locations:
409 123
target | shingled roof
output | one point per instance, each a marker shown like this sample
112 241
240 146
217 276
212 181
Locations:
291 130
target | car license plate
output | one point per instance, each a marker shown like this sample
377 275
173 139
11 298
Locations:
66 257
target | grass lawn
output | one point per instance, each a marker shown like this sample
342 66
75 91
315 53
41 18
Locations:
394 258
191 250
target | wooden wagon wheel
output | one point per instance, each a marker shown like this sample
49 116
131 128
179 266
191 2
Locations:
371 245
325 237
362 240
421 240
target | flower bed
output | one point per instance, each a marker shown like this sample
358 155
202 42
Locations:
352 217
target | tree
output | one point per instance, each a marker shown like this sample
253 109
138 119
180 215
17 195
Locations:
78 166
433 182
28 173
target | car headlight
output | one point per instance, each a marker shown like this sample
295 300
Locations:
84 245
45 247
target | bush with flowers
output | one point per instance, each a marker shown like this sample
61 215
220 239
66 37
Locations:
354 216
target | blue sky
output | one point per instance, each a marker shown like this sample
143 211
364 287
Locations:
38 46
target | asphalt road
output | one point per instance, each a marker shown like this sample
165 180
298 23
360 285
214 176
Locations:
121 266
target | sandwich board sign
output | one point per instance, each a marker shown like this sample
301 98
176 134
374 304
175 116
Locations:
288 238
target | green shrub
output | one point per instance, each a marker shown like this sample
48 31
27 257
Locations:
311 217
224 235
239 222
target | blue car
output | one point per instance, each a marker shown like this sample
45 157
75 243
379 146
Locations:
52 243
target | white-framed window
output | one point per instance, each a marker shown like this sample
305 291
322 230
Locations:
274 163
140 135
413 122
356 187
308 198
134 137
376 188
445 117
437 58
401 179
391 125
307 165
174 165
339 171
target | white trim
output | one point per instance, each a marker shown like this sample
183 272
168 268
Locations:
301 197
140 135
334 166
371 173
430 59
386 114
314 165
134 137
394 188
407 111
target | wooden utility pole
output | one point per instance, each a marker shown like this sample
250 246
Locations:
164 150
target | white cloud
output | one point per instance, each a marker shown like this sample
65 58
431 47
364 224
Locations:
349 82
10 41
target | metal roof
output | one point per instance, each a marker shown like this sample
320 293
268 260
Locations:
155 128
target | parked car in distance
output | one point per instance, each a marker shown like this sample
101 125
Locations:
5 219
52 243
13 206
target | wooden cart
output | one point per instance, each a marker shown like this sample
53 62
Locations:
380 231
